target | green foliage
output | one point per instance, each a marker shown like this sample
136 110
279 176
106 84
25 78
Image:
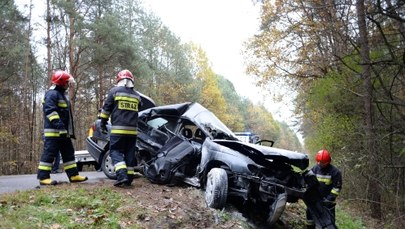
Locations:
351 84
333 117
94 40
235 104
330 133
288 139
14 48
79 208
348 221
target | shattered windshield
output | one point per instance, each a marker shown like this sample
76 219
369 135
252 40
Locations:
214 126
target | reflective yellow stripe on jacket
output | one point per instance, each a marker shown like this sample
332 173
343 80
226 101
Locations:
126 130
327 179
335 191
54 132
62 104
52 116
127 101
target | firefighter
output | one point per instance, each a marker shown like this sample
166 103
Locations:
330 183
121 107
58 131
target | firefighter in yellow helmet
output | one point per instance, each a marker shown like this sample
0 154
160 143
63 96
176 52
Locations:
121 107
330 183
58 131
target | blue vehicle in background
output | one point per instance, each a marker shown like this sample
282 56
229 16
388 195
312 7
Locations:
248 137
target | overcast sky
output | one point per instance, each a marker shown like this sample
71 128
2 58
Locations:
220 27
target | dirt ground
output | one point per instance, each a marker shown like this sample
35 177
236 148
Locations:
174 207
184 207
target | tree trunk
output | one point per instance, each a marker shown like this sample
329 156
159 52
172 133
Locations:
101 87
71 48
48 40
374 194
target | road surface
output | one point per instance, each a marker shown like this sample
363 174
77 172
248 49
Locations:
14 183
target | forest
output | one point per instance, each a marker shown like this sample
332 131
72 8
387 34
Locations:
345 59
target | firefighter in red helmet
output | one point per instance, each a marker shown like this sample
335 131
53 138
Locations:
121 107
58 131
330 183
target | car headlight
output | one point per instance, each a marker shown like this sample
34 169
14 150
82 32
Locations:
91 131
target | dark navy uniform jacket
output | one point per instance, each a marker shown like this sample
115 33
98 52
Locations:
122 105
330 180
58 121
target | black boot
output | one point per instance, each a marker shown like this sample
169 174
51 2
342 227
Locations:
122 178
130 180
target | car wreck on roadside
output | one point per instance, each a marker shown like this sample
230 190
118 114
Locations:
186 143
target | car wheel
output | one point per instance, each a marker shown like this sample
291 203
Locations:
216 188
276 209
108 167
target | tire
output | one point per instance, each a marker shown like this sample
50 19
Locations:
108 167
216 188
277 209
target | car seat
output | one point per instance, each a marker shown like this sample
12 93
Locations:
186 132
199 135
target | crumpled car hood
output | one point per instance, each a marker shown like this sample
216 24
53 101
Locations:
203 118
173 109
294 158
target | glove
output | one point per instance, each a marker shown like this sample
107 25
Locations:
58 124
103 126
103 129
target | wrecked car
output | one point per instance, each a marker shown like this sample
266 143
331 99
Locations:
186 143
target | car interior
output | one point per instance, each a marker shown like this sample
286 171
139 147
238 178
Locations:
193 133
186 132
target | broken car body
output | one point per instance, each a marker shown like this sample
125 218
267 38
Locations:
187 143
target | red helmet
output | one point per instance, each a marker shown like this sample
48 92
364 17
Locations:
323 156
61 78
125 74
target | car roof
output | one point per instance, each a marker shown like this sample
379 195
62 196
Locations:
186 110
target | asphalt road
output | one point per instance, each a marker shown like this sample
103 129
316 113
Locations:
9 184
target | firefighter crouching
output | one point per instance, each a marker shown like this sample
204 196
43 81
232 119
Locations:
58 131
330 183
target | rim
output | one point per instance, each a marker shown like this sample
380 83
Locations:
109 166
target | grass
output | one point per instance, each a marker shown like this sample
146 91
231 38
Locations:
99 206
65 208
346 220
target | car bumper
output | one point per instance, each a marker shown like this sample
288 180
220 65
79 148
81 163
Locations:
94 149
83 156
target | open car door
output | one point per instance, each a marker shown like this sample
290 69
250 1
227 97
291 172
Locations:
171 164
